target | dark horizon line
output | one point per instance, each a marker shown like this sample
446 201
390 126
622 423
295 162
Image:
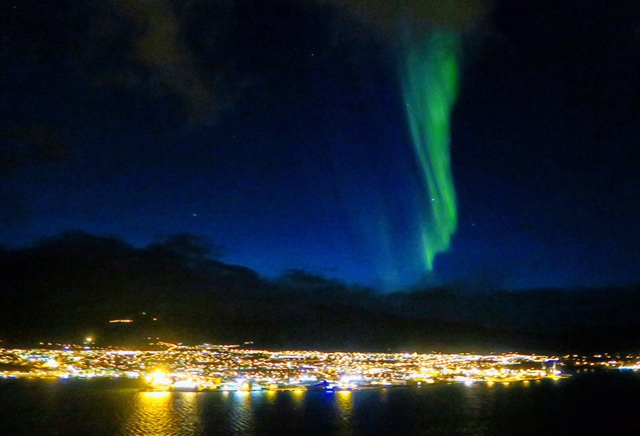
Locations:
420 285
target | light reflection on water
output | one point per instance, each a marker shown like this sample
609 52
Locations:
271 397
344 404
520 408
163 413
152 414
240 420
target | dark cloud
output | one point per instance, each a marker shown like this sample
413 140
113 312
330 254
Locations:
191 247
186 52
160 45
178 51
391 16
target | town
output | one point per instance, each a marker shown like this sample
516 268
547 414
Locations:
233 368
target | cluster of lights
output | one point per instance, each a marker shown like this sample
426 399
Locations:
230 368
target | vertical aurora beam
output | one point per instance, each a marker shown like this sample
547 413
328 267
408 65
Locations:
429 79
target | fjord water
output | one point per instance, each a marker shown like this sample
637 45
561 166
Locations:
603 403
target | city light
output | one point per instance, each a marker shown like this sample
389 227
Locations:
229 368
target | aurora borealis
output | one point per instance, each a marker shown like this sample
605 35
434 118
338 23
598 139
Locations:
427 36
391 144
430 82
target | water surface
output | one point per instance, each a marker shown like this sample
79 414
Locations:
601 403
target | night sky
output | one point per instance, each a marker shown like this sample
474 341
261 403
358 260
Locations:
277 130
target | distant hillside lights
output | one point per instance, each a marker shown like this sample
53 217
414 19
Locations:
127 320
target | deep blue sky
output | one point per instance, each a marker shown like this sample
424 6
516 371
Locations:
277 129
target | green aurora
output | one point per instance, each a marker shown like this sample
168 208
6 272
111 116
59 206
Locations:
429 84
